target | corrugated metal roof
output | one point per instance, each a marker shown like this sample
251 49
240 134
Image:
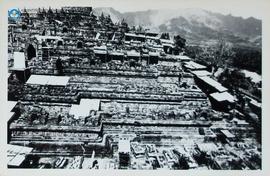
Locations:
84 108
201 73
224 96
48 80
193 65
227 133
124 146
16 154
213 83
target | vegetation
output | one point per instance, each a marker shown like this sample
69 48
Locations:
248 58
223 54
234 79
232 59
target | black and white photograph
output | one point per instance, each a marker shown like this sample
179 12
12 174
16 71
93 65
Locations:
146 86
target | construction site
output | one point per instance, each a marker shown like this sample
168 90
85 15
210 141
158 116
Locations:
87 93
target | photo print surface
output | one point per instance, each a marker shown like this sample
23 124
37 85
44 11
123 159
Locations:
142 89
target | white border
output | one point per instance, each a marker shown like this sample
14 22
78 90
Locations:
6 4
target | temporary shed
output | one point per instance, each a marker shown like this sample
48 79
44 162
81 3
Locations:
200 73
84 108
183 58
224 96
124 146
211 83
227 134
19 60
191 65
16 154
48 80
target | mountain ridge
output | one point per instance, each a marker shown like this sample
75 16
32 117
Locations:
197 25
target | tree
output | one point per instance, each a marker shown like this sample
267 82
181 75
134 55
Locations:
133 28
124 26
179 41
223 54
139 29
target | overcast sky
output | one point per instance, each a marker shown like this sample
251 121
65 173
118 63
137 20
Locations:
243 8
